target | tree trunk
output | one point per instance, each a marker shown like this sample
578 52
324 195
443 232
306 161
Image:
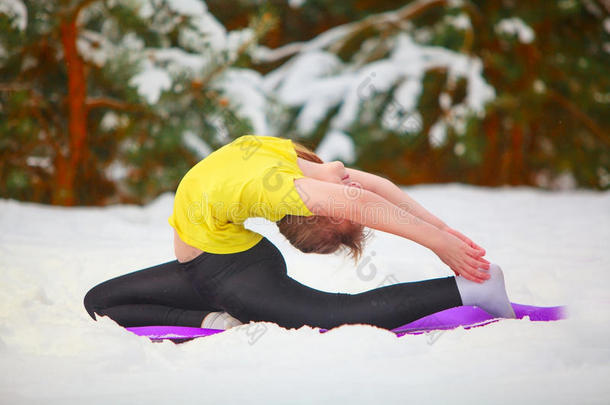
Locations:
516 173
489 170
68 162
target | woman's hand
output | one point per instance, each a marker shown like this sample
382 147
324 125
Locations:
465 239
463 259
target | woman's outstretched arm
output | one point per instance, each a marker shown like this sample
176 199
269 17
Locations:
391 192
372 210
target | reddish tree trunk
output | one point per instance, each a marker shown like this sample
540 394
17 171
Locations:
67 165
489 170
516 173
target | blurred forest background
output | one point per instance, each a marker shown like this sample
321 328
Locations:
112 101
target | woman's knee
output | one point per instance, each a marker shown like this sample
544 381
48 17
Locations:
108 294
94 300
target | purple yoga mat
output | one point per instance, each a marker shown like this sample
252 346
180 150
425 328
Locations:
466 316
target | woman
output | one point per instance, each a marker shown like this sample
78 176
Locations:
226 275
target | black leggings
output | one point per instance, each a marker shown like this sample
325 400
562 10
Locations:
253 286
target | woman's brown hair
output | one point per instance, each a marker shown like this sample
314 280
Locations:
320 234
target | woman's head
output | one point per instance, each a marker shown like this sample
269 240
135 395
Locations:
321 234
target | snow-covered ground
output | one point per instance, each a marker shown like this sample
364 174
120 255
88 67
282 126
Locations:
553 247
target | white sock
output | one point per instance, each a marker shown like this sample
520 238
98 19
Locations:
490 295
220 320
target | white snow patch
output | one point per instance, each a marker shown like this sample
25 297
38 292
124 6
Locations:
196 144
16 11
109 121
178 60
459 148
39 161
261 53
401 115
187 7
243 87
296 3
116 171
438 133
601 97
132 42
94 47
317 81
52 352
516 26
337 145
151 82
238 39
604 176
460 21
145 8
210 31
371 80
297 80
539 86
444 100
564 181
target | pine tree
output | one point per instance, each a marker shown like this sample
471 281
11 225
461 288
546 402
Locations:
101 98
107 100
541 67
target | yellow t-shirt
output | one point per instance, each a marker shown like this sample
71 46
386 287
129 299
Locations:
253 176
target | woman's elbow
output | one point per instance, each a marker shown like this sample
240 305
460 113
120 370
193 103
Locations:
362 206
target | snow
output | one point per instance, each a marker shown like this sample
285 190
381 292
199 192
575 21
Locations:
151 82
460 21
238 39
39 161
262 53
438 133
539 86
337 146
444 100
196 144
188 7
116 171
94 47
299 77
459 149
132 42
601 97
208 32
145 8
178 60
316 80
160 65
109 121
296 3
243 87
516 26
553 247
16 11
203 43
372 79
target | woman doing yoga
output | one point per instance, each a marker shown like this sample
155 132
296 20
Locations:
226 274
